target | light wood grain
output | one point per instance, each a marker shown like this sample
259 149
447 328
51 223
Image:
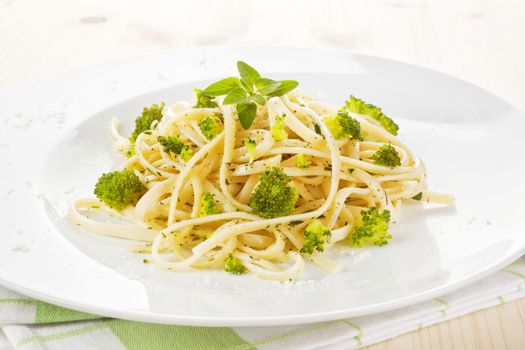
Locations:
500 327
478 40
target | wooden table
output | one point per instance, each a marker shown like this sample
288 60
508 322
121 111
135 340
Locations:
480 41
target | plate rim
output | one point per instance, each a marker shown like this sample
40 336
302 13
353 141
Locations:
133 57
153 317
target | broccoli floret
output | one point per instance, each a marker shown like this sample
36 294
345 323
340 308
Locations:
119 188
373 229
273 196
387 155
314 235
203 100
209 127
342 125
277 130
144 121
250 146
234 265
302 162
209 205
175 145
361 107
171 143
131 151
186 153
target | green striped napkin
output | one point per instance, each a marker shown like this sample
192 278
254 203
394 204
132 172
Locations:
32 324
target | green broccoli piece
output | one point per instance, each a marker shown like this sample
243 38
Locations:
131 151
209 205
119 188
314 235
277 130
373 229
186 153
387 155
209 127
171 143
144 121
342 125
234 265
203 100
175 145
250 146
359 106
302 162
273 196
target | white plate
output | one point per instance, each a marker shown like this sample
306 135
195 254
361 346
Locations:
55 141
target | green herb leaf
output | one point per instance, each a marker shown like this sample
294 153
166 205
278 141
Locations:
248 92
418 196
222 87
247 72
266 86
247 86
246 113
237 95
285 87
259 99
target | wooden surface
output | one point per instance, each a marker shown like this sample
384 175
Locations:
478 40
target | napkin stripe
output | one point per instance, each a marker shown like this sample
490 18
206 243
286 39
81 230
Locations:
515 273
71 333
308 329
18 301
145 336
358 329
444 303
48 313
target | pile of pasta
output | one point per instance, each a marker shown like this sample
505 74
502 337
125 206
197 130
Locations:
340 182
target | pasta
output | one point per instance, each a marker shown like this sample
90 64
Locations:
334 180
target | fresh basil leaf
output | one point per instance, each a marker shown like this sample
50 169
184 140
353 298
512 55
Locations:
222 87
247 72
246 113
237 95
266 86
264 82
247 86
286 86
259 99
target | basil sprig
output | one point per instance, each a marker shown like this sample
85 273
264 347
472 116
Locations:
248 91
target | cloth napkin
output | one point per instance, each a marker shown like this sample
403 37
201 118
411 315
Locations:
33 324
